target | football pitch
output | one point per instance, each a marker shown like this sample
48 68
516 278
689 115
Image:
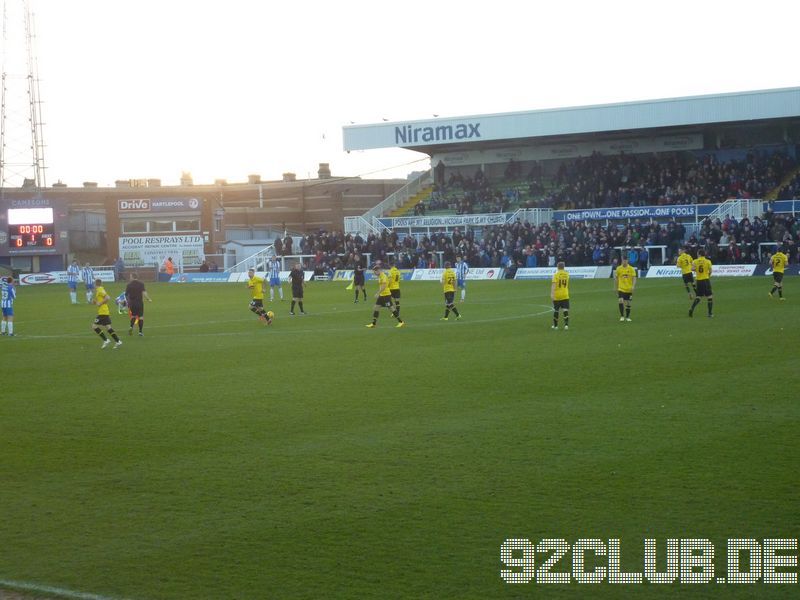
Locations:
217 457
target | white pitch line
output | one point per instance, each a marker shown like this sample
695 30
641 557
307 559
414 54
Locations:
276 330
25 586
335 311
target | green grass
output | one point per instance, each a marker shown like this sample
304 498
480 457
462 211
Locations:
219 458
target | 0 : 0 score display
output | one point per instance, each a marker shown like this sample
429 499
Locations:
30 228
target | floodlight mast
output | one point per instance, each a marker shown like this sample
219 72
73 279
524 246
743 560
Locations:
22 145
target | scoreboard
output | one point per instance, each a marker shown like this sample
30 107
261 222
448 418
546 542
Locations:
31 229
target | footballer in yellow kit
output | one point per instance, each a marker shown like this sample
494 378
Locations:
778 262
383 298
702 268
394 285
684 263
256 286
103 318
624 284
559 294
449 287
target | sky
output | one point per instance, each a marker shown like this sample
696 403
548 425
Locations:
153 88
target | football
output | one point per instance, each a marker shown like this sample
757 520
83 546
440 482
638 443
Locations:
270 315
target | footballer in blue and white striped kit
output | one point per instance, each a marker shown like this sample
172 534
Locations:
73 275
122 303
87 274
274 273
7 296
462 268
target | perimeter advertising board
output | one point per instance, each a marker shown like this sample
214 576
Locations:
151 250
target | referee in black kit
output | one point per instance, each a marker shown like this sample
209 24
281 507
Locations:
135 294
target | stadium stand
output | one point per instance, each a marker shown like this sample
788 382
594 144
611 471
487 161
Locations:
622 180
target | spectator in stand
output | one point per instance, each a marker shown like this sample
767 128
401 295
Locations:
644 259
119 269
633 257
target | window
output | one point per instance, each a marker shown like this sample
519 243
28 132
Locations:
130 226
187 225
162 226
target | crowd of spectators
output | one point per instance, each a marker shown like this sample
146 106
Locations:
792 190
600 181
469 195
679 178
576 243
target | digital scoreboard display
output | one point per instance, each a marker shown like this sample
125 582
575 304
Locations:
31 228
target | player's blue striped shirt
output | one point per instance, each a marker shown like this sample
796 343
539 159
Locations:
73 272
88 276
121 299
462 268
7 295
274 267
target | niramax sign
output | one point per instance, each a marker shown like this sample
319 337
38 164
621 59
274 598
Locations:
417 133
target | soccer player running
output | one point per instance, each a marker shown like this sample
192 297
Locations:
778 262
7 296
135 295
394 285
624 284
274 268
559 294
684 263
462 268
383 298
449 286
298 279
702 267
89 281
73 274
358 279
103 318
256 286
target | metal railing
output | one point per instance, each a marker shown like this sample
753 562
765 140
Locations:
399 197
737 209
359 225
255 261
534 216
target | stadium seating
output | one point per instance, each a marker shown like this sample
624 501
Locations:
621 180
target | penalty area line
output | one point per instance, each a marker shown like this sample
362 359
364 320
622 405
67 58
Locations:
56 592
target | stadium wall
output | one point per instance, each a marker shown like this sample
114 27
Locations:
99 214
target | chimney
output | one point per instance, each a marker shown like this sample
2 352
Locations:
121 183
186 178
59 184
153 183
90 184
253 179
324 171
220 182
289 177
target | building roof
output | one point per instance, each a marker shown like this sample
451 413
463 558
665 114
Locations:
433 135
